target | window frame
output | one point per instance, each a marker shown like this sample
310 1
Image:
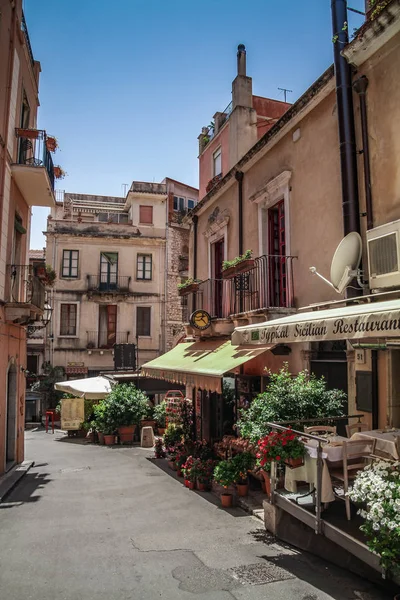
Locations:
137 321
217 154
191 200
63 276
147 206
143 266
69 335
181 206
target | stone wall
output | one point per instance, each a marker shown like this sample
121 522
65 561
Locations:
177 246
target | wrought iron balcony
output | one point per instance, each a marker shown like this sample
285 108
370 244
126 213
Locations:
26 298
24 28
269 284
108 284
33 170
104 339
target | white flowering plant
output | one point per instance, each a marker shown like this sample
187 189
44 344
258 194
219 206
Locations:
377 489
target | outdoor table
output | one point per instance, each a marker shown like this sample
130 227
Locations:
385 440
332 451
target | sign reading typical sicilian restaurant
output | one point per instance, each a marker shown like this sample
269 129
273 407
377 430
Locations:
374 325
72 413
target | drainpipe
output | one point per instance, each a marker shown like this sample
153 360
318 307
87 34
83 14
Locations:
8 103
360 87
239 179
195 220
347 138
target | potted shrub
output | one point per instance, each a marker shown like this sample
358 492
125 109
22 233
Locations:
40 271
160 413
50 276
240 264
225 474
244 462
189 470
148 421
58 172
104 427
173 443
188 287
125 407
159 451
204 473
180 460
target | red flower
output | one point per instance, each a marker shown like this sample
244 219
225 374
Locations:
277 458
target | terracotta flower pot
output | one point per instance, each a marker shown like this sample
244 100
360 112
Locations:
241 267
101 438
267 483
171 465
201 486
179 473
161 430
242 489
294 462
226 500
148 423
190 485
126 433
189 289
109 440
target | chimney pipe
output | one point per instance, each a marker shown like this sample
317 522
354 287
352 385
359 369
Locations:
345 113
241 60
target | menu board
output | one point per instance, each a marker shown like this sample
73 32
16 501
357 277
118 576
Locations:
124 357
72 413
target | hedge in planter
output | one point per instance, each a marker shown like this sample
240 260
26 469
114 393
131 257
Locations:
125 406
289 398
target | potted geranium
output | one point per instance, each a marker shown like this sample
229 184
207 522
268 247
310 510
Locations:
189 286
180 460
160 413
281 446
51 143
225 474
148 420
244 462
240 264
59 173
173 442
204 473
189 470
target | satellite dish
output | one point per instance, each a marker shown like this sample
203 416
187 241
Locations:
346 261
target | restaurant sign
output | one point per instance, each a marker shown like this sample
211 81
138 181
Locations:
372 325
72 413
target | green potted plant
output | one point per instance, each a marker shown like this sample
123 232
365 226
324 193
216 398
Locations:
204 473
180 460
189 470
50 277
244 462
240 264
188 287
160 413
148 420
159 451
104 426
125 407
225 474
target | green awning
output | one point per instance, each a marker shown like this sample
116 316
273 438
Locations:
201 364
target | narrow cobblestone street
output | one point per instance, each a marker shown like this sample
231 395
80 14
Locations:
97 523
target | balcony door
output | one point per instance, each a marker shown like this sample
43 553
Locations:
277 276
107 325
108 271
218 258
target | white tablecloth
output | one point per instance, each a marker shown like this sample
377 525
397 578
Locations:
308 473
385 441
331 451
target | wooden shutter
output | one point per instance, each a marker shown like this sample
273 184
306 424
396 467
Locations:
146 215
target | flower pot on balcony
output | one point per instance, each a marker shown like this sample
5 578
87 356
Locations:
242 267
126 433
293 463
51 144
189 289
32 134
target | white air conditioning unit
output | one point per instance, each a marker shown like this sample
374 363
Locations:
383 245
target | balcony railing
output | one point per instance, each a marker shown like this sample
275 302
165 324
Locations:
105 283
32 151
269 284
24 28
25 287
105 339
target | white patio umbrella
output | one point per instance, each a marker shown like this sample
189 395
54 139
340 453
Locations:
91 388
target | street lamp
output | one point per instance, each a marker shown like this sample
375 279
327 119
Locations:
46 318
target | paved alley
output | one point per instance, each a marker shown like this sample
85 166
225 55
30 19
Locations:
92 522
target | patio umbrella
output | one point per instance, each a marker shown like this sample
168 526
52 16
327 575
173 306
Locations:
91 388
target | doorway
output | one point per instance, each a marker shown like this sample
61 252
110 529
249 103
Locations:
107 325
277 255
11 416
219 250
108 271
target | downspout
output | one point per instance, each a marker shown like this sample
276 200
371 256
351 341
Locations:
347 137
239 179
8 105
195 220
360 87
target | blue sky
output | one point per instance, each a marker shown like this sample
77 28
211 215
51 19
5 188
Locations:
126 87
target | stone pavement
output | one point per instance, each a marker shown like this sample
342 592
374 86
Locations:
99 523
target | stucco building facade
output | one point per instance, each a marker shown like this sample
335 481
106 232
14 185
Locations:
26 180
118 261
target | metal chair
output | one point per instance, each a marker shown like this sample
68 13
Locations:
320 429
356 428
356 454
